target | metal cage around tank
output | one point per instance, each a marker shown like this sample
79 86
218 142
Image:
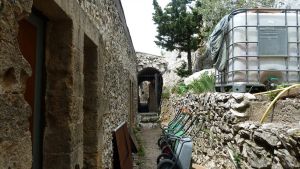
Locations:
262 45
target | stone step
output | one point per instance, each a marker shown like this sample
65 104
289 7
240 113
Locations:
149 119
149 114
148 125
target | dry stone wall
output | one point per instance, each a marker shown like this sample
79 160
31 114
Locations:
227 139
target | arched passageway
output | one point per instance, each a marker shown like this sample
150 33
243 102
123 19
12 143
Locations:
150 88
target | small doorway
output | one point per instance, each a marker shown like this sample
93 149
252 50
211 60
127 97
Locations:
150 88
31 39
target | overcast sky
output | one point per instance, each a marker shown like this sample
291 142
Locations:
138 15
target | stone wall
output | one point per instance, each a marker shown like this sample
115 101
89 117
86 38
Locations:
145 60
227 138
91 82
15 143
119 66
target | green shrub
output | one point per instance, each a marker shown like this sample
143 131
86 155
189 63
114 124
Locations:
180 89
237 159
182 70
206 83
273 94
141 149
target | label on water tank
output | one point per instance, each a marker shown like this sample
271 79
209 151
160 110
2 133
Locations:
272 41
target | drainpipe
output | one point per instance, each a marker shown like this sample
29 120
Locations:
156 91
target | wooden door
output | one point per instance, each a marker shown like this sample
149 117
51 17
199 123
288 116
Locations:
31 42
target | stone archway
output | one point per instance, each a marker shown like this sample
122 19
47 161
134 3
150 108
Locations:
150 83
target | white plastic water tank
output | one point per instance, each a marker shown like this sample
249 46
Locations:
271 38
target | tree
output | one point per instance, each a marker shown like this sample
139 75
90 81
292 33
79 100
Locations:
213 11
178 26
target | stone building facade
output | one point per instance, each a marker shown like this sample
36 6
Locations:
67 79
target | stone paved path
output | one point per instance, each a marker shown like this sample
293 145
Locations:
149 138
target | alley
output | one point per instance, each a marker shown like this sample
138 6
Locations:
149 139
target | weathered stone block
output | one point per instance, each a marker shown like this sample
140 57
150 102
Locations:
266 137
15 138
286 159
73 159
256 156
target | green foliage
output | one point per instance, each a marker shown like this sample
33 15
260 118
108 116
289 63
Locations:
180 89
272 94
178 25
212 11
182 71
141 149
206 83
237 159
281 86
136 129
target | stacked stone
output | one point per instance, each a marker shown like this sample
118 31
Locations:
224 138
269 145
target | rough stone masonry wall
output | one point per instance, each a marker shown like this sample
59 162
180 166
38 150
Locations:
226 130
14 70
67 29
119 67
